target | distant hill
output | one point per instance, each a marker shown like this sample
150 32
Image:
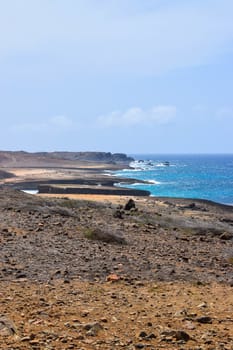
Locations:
27 159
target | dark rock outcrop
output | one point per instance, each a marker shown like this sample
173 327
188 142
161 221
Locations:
118 191
130 204
91 156
5 175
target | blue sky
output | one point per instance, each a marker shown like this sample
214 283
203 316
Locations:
151 76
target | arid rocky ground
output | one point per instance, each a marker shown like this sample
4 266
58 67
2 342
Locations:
80 274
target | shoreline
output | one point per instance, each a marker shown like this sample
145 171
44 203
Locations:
84 178
139 181
93 179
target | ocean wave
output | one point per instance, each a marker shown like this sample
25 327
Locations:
154 182
133 170
136 184
119 184
147 183
149 165
141 184
114 175
145 169
126 184
160 165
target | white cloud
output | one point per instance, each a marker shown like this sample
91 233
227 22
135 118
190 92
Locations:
57 123
138 116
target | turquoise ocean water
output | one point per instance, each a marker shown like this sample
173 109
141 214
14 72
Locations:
187 176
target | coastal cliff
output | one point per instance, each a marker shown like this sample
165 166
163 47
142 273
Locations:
24 159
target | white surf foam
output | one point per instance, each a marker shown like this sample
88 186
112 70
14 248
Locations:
30 191
154 182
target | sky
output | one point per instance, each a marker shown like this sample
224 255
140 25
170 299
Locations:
132 76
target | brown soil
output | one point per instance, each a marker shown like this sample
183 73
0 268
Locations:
120 315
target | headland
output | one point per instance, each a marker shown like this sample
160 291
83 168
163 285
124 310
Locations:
66 172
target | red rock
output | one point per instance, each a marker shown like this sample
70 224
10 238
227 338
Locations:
113 278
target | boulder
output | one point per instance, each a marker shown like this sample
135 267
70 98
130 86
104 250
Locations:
130 204
104 235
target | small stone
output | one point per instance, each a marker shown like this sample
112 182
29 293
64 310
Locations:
118 214
204 319
20 275
181 313
7 327
66 280
182 335
139 284
202 305
84 313
80 337
178 335
190 325
114 319
93 328
88 326
142 334
104 320
64 340
25 339
226 236
113 278
151 336
230 283
139 346
206 337
34 342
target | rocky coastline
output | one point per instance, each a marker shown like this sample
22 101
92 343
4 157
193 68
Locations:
79 172
111 271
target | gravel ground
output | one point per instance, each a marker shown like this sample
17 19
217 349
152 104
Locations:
82 274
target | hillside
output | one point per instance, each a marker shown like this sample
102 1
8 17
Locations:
59 159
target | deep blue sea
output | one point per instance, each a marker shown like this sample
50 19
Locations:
187 176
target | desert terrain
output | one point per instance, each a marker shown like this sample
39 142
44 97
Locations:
94 271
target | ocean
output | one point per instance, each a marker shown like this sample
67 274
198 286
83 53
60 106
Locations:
186 176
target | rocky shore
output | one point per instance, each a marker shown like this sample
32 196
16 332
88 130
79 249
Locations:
110 270
67 172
